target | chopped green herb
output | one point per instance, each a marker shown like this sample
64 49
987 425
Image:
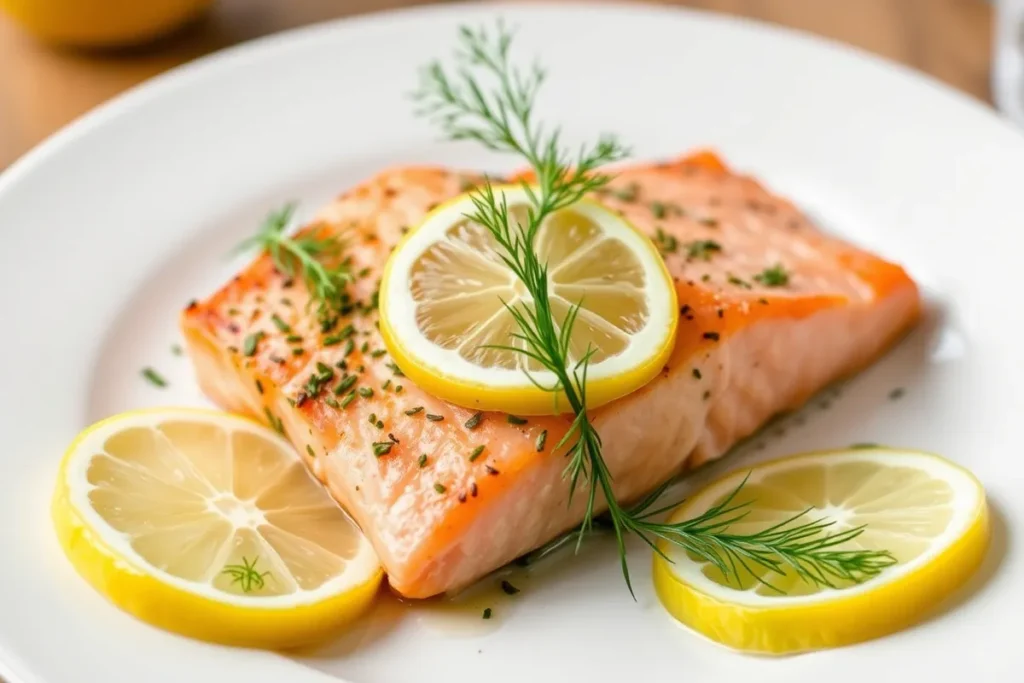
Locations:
259 386
365 392
154 378
372 419
508 588
384 387
440 488
733 280
345 384
309 449
329 322
382 448
658 209
422 462
333 340
474 421
332 402
377 353
280 324
293 339
629 193
395 369
776 276
298 352
274 420
350 346
434 418
703 249
709 221
413 411
476 452
515 420
250 343
542 439
398 388
365 347
696 373
487 613
665 242
348 399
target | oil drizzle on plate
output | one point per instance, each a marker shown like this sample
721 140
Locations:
448 616
479 609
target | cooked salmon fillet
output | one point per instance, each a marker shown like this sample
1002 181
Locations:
750 345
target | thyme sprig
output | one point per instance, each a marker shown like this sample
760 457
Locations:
316 258
487 99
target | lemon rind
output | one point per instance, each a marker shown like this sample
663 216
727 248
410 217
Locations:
510 390
189 608
783 626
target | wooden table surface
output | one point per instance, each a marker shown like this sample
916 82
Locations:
42 88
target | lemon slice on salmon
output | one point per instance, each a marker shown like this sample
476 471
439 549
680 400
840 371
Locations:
445 289
929 513
210 525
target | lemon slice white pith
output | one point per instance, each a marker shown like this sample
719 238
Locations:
929 513
445 287
163 510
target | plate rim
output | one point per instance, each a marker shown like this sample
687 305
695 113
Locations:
207 66
179 75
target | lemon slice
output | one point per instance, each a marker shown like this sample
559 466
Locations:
209 525
929 513
444 290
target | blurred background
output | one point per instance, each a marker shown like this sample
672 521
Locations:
60 58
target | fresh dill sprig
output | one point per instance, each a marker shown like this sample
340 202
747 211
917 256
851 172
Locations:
803 547
245 574
487 99
316 258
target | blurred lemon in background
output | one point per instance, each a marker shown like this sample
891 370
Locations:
102 23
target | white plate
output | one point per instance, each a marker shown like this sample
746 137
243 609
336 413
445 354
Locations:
111 226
